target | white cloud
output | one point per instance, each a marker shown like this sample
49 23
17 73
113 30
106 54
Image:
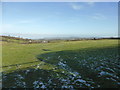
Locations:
98 16
91 3
76 6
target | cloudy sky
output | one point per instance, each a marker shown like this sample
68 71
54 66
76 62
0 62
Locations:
60 18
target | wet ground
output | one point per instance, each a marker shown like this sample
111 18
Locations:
94 68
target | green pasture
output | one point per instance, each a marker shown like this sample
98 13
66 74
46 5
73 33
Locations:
89 62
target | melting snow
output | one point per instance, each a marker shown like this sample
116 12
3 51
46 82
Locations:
35 82
27 71
20 76
43 86
74 73
61 64
80 80
64 86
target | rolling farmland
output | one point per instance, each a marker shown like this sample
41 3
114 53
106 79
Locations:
72 64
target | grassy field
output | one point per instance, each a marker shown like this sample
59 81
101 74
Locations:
73 64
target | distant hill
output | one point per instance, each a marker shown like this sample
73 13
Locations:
12 39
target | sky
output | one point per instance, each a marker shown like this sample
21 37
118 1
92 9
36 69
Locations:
32 19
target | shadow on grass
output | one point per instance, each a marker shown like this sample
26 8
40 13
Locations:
88 68
101 66
33 78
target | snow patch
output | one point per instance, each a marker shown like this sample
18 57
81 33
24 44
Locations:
80 80
61 64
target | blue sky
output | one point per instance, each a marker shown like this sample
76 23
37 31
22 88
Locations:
60 18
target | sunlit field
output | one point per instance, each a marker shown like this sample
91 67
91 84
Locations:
72 64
